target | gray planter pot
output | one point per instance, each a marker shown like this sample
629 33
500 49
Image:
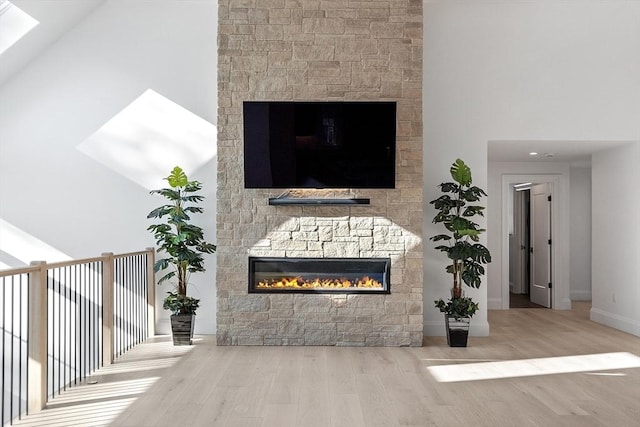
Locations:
182 328
457 331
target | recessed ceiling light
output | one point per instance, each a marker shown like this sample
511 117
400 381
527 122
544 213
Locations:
523 186
533 153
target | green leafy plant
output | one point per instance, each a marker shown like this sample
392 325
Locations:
182 242
457 307
456 210
180 304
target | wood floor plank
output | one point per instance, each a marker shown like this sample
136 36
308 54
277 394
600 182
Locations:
345 411
285 386
313 394
374 401
158 385
282 415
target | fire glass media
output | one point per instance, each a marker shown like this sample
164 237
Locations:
323 275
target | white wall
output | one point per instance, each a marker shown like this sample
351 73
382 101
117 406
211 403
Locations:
580 231
494 70
616 230
526 70
56 194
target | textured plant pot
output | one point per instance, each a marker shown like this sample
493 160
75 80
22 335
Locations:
457 331
182 328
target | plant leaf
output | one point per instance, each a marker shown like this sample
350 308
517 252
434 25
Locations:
449 187
177 178
461 173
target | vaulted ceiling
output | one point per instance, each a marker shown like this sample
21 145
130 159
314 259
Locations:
57 17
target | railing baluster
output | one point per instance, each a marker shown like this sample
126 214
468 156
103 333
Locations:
60 322
20 335
4 305
137 270
11 361
63 351
76 335
81 340
92 315
60 318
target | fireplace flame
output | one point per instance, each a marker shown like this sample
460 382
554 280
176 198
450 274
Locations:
317 283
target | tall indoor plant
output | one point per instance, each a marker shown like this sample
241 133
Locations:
183 244
457 210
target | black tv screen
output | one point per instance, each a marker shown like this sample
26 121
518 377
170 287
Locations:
319 144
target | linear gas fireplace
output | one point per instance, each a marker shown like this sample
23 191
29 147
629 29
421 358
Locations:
319 275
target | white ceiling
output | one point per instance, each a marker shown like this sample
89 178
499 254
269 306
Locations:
55 19
60 16
578 153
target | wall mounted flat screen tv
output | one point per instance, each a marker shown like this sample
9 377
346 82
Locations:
319 144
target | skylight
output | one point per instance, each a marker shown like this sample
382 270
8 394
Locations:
14 24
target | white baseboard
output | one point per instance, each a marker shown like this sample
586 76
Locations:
494 304
564 304
163 326
616 321
433 328
580 295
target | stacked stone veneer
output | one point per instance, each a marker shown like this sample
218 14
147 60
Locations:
320 51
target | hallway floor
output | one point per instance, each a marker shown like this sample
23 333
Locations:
521 301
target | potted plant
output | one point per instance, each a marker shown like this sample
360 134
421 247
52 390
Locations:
184 246
456 209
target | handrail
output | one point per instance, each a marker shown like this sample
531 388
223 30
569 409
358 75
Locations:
18 270
130 254
62 264
71 317
58 264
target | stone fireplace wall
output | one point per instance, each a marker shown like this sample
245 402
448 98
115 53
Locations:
310 50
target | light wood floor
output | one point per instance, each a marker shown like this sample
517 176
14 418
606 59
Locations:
529 381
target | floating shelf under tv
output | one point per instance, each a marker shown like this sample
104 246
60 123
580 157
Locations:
281 201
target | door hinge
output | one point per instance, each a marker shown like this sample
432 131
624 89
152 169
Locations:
549 198
549 241
550 285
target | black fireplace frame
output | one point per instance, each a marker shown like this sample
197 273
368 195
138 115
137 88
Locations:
303 264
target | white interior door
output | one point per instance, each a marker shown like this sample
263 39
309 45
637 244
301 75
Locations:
540 291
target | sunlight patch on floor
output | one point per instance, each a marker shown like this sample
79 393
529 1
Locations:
87 415
136 366
533 367
102 391
107 393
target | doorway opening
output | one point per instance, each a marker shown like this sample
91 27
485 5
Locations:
530 246
553 288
